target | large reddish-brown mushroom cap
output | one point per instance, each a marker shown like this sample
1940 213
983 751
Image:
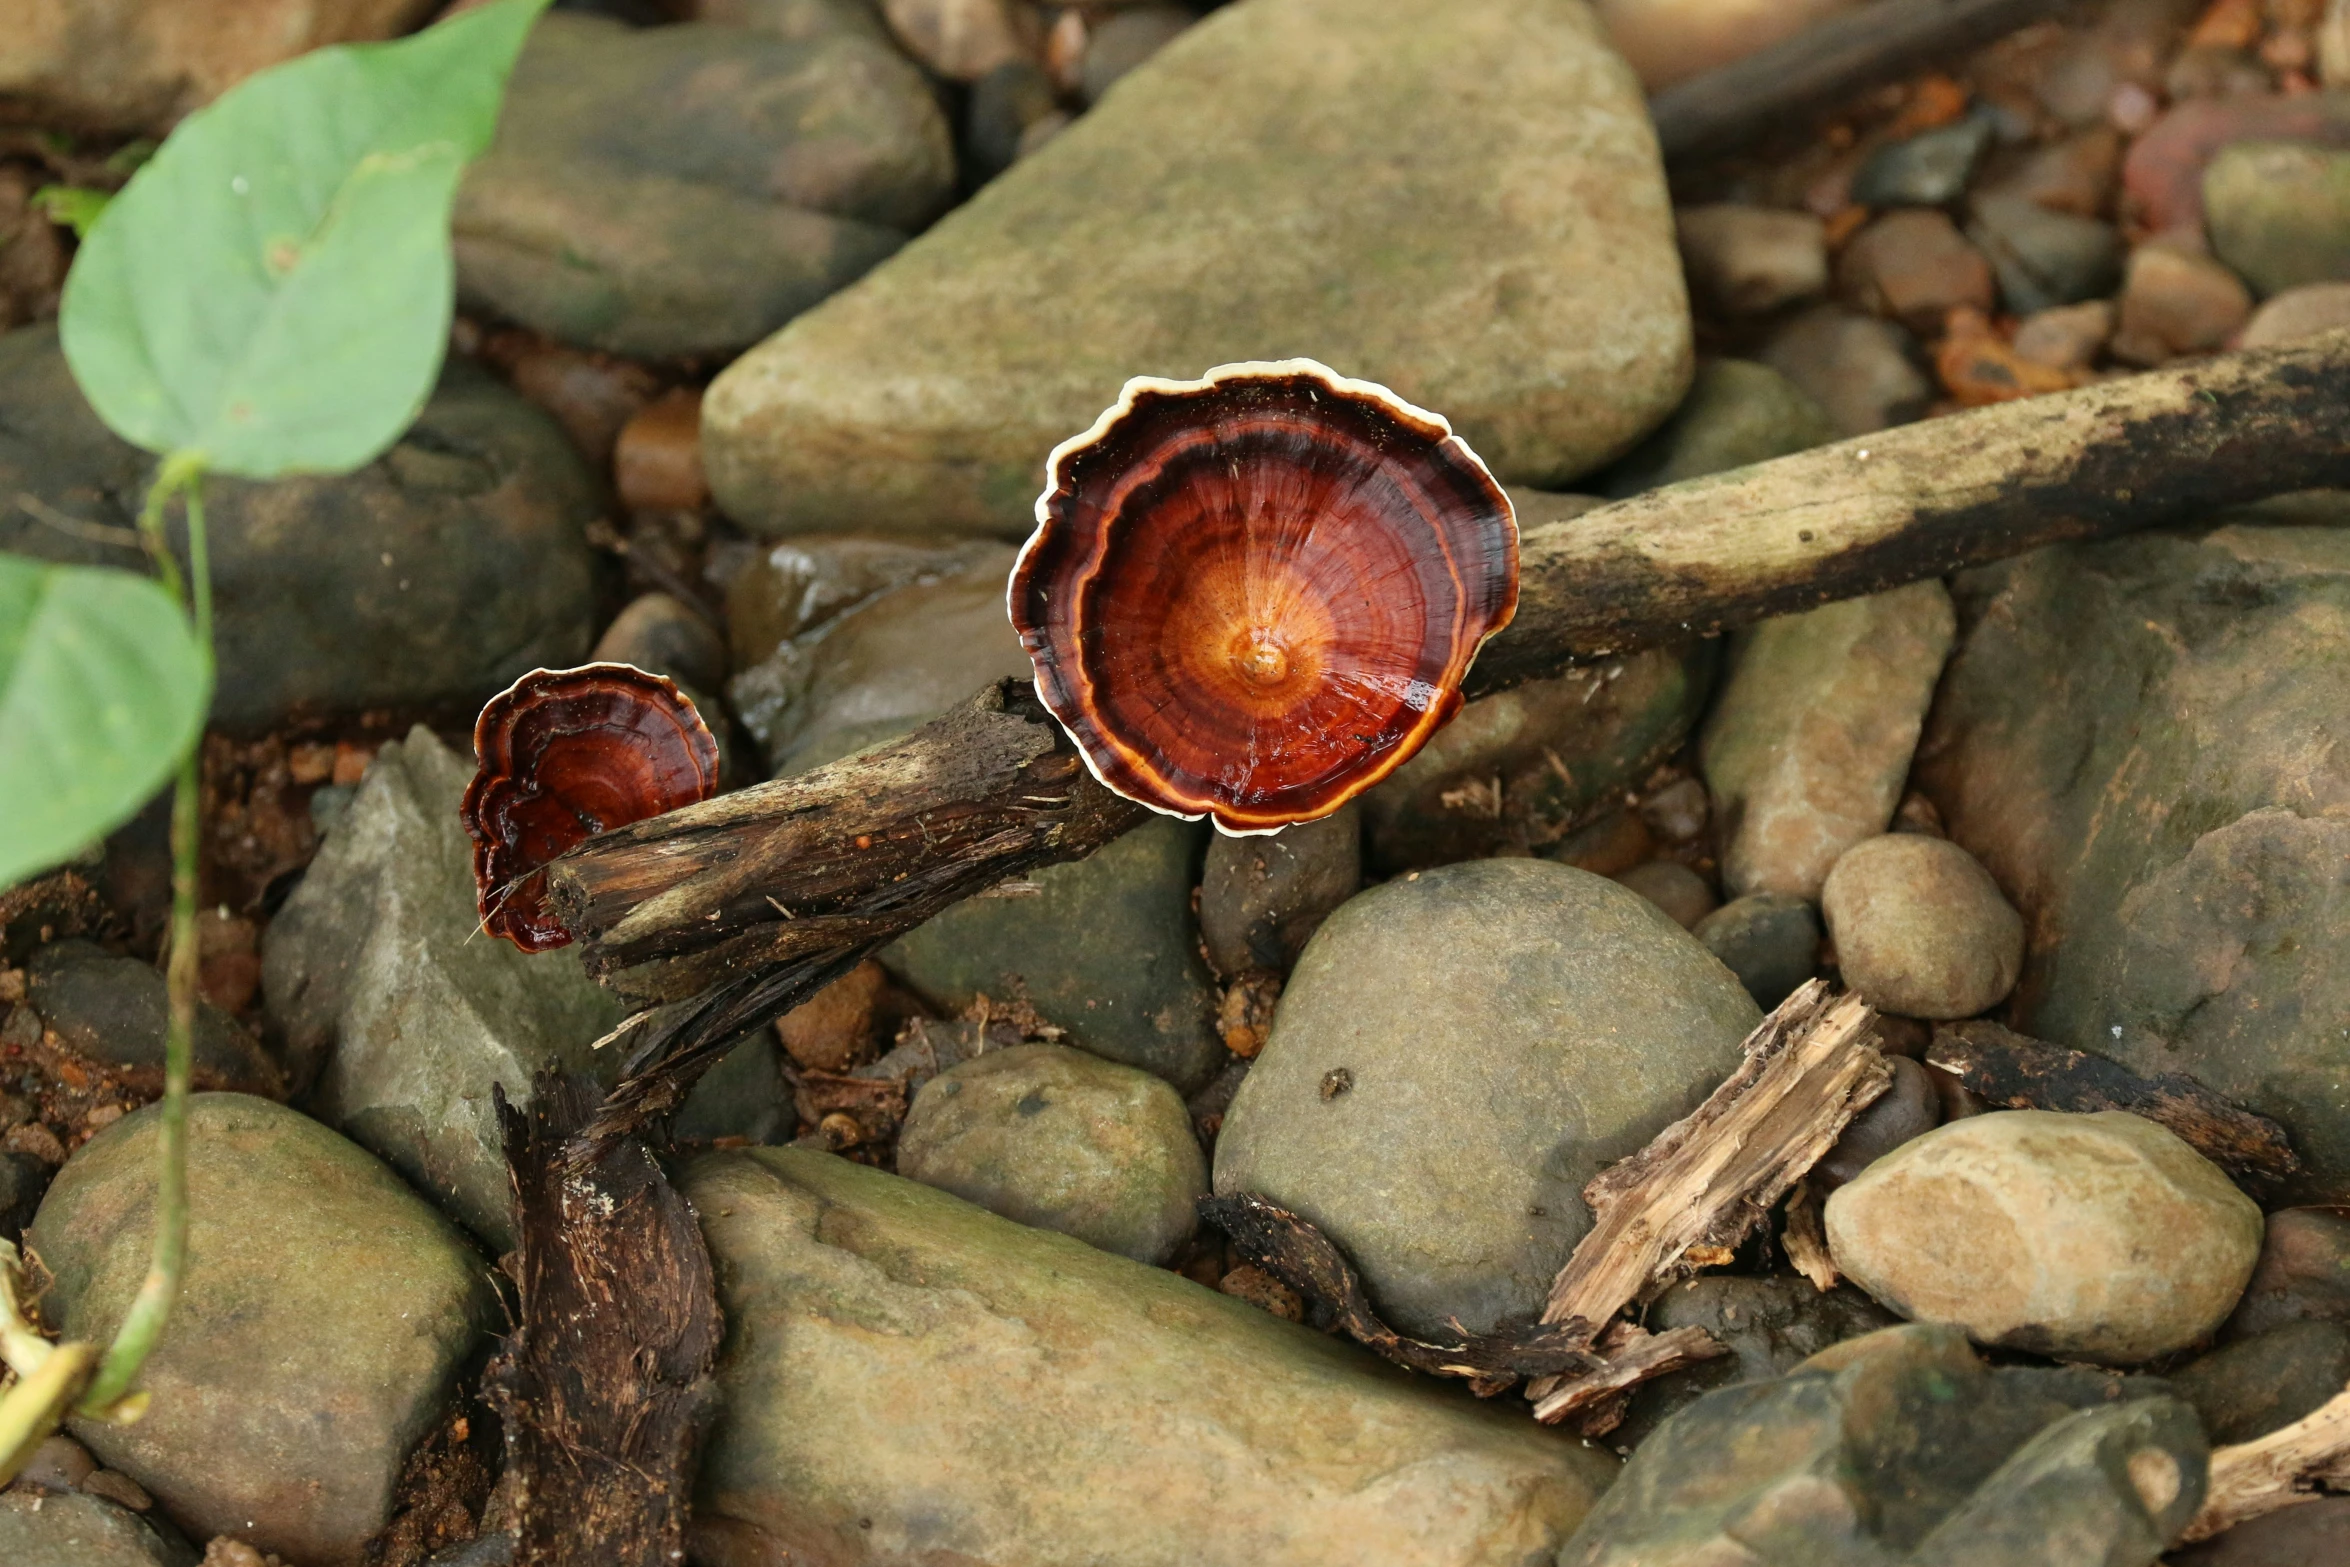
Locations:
1254 595
564 754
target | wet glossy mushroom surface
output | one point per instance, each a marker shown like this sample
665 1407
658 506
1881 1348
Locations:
564 754
1254 595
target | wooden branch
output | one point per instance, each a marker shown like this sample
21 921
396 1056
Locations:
605 1389
1923 500
2280 1470
2021 1073
846 856
1825 62
1705 1182
1595 1400
1306 1260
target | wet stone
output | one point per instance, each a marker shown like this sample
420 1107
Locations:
81 1531
1856 367
1900 1447
115 1011
1262 896
2087 1237
1770 940
1746 261
1907 1109
2303 1274
1105 949
853 1297
1810 741
1052 1137
1930 169
2279 213
305 1255
1456 1054
2044 259
2271 1379
1921 928
1684 896
1737 412
659 634
1770 1326
2175 302
1915 267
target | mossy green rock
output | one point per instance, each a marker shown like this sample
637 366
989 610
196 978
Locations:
1459 198
2142 741
1065 1141
1106 949
907 1378
325 1314
1456 1054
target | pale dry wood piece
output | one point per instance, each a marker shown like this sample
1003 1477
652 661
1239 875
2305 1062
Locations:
2280 1470
1704 1183
1595 1400
1825 62
1923 500
1805 1240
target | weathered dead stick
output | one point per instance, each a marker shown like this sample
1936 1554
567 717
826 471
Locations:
1306 1260
751 902
605 1387
1629 1355
1827 61
1703 1184
1923 500
2279 1470
2022 1073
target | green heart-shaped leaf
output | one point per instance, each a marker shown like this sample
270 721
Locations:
271 292
102 690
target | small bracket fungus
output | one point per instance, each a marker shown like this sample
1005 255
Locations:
1254 595
564 754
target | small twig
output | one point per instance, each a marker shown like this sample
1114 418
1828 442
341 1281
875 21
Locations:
1631 1355
2282 1469
75 527
1806 1240
1306 1260
2021 1073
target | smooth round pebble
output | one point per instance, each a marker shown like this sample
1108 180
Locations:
1061 1140
1907 1109
1921 928
1674 888
2086 1237
1456 1054
1770 940
1262 896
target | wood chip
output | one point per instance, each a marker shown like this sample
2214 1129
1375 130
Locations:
1805 1239
1705 1182
2281 1469
1594 1400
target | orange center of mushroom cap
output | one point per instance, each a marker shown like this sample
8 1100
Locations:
1253 597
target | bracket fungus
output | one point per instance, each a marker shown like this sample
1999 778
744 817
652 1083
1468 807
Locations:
564 754
1254 595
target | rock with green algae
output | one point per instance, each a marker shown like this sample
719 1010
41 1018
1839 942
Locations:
909 1378
1459 198
323 1320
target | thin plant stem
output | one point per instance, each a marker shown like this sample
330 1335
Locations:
143 1324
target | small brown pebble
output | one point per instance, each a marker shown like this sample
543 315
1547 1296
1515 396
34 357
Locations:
310 762
2176 302
102 1116
117 1488
1904 1036
1674 888
1677 812
1915 267
1337 1081
1607 847
351 763
225 1552
832 1030
1978 369
657 465
35 1139
1917 814
841 1130
1260 1289
11 984
1245 1017
13 1111
59 1464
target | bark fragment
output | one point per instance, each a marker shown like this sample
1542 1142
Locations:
605 1389
2281 1469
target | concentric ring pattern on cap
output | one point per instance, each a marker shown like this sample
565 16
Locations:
1254 595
